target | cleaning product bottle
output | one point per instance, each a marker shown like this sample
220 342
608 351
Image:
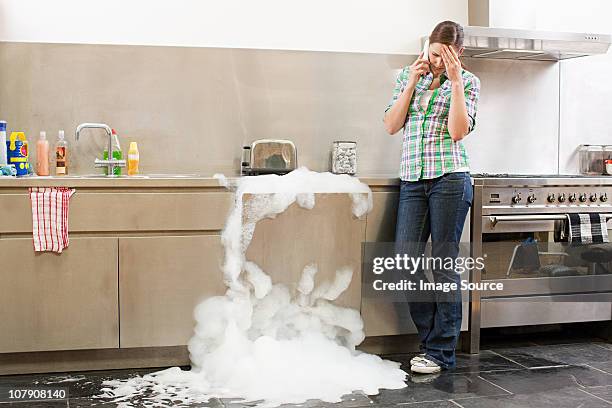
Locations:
117 154
42 155
2 143
133 159
61 155
17 154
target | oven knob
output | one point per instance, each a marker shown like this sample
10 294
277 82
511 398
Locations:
531 199
604 197
593 197
517 198
583 198
551 198
562 198
572 197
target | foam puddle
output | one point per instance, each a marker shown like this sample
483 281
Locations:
262 342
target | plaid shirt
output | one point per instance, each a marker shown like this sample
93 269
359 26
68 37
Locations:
428 151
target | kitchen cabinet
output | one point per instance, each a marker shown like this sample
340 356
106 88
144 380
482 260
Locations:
161 280
384 318
59 302
142 255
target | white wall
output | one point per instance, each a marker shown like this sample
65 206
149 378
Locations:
386 26
586 88
518 117
534 115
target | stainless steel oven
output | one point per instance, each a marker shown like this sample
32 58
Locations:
517 225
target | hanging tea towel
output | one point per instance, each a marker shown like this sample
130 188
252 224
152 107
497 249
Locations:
590 228
50 217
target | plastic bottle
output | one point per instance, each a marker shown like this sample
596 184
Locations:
117 154
18 153
61 155
3 143
133 159
42 155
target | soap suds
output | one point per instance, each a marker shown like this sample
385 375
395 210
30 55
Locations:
262 342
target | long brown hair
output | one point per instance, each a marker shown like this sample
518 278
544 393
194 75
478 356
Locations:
448 33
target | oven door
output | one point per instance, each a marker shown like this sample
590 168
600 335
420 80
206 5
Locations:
522 252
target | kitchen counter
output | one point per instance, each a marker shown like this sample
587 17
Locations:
143 252
152 181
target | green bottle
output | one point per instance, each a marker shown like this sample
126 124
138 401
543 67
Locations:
117 155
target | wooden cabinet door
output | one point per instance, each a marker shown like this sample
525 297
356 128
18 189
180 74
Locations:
328 235
384 318
62 301
161 280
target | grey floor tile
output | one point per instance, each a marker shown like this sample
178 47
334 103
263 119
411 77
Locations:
438 388
603 344
88 402
547 379
555 355
354 400
602 365
36 404
570 397
604 392
429 404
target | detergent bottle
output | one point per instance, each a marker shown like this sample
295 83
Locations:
133 159
17 153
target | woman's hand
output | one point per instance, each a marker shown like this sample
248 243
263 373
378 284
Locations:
452 64
418 68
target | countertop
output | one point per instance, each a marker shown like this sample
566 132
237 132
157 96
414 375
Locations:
152 181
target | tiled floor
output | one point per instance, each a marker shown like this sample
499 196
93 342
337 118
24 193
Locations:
528 374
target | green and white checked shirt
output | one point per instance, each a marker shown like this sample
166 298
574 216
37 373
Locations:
428 151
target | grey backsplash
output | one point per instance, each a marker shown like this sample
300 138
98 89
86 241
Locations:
191 109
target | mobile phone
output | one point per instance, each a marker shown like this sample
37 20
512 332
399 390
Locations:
426 50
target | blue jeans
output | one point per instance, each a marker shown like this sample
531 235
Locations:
436 208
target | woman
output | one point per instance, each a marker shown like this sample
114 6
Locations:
435 101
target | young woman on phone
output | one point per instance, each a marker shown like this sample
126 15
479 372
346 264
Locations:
435 102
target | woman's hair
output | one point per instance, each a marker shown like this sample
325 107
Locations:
448 33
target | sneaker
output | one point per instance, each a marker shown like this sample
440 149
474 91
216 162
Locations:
425 366
417 358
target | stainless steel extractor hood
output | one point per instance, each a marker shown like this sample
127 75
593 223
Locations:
503 43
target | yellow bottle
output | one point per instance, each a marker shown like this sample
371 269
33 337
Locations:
133 159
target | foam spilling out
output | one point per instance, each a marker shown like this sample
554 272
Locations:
264 342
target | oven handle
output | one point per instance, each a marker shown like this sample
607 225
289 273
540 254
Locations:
509 218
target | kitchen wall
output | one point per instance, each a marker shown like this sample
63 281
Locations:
585 92
586 89
192 108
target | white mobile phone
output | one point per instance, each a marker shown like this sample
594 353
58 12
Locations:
426 50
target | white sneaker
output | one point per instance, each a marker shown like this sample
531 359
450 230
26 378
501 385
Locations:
417 358
425 366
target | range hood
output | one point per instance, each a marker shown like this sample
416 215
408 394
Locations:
504 43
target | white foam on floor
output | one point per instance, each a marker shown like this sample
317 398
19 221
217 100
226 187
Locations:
262 341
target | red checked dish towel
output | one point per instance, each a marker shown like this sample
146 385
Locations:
50 217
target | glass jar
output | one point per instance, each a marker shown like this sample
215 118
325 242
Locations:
607 156
591 160
344 158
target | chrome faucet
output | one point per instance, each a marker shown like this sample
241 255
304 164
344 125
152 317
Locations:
109 163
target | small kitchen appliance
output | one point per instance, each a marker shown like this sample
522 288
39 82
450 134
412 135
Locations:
269 156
